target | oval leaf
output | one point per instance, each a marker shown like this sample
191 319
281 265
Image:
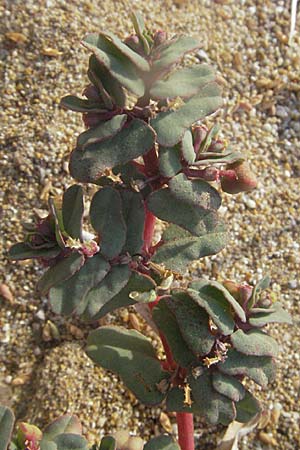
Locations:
72 211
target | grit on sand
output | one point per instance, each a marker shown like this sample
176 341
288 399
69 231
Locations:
44 371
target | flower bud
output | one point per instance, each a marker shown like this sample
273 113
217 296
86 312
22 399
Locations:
160 37
133 42
244 181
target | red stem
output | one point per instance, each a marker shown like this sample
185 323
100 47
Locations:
185 421
185 424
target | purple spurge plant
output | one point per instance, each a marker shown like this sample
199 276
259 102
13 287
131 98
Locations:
150 155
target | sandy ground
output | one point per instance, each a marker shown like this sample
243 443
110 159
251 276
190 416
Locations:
246 41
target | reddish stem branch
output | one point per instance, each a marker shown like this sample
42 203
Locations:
185 424
185 421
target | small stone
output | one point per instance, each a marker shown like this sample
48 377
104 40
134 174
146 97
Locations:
165 422
250 203
76 332
18 38
40 314
134 322
293 284
6 293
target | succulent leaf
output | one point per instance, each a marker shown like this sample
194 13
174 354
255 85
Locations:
116 62
132 141
187 147
61 271
7 420
81 104
133 211
169 160
164 204
263 284
260 369
137 60
22 250
172 51
182 83
175 402
108 86
131 355
70 441
247 408
170 126
108 443
212 158
198 193
165 320
103 131
66 296
162 443
115 280
108 221
137 283
177 254
269 315
228 386
254 342
212 405
64 424
217 301
72 211
193 323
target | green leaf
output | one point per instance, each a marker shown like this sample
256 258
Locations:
133 211
132 141
216 408
166 321
247 408
70 441
103 131
119 65
108 443
164 204
270 315
169 160
175 402
64 424
137 282
108 221
131 355
72 211
137 60
61 271
183 83
178 253
7 420
140 29
212 134
81 104
22 251
211 158
47 445
163 442
67 296
260 369
56 212
115 280
170 126
228 386
218 303
254 342
187 147
263 284
193 323
109 87
198 193
172 51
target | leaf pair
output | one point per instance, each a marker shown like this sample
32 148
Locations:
196 232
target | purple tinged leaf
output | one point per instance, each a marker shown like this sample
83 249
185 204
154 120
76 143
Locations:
120 66
81 105
101 132
23 251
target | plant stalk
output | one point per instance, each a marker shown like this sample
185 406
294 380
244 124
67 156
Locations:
185 421
185 424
